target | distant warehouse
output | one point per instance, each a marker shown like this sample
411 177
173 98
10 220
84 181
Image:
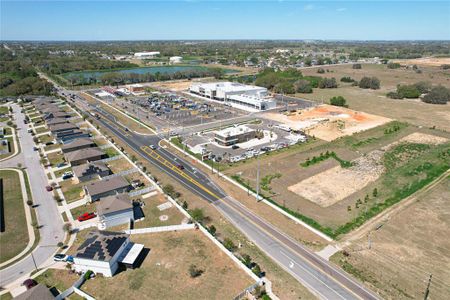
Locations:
237 94
144 55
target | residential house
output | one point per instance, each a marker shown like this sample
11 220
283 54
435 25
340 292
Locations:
89 171
103 251
115 210
106 187
79 157
39 291
78 144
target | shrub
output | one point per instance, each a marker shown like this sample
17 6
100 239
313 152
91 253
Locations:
303 86
197 215
228 243
327 83
194 271
347 79
338 101
392 65
29 202
437 95
320 71
423 87
212 229
356 66
394 95
369 83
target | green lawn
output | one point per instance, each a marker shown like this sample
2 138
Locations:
15 237
59 279
4 110
52 147
55 158
59 173
41 129
11 144
46 138
111 152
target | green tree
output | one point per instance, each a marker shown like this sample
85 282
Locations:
375 192
437 95
197 214
338 101
194 271
303 86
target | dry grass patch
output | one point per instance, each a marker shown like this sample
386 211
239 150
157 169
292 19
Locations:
152 213
119 165
409 247
164 273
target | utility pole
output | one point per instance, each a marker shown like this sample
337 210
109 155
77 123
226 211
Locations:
34 262
257 179
427 291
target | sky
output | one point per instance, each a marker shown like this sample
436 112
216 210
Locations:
196 19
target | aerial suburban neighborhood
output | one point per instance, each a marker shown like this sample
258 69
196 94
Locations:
270 154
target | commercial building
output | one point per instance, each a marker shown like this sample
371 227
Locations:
144 55
103 251
234 135
115 210
175 59
136 89
237 94
106 187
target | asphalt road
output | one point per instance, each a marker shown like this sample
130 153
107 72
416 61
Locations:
47 213
318 275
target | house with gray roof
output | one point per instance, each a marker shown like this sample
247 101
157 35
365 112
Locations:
115 210
78 144
79 157
90 171
106 187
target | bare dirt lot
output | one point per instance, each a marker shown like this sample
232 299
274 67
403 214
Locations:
425 61
337 183
407 249
329 122
175 85
164 274
376 102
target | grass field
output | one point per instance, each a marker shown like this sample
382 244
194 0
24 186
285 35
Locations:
376 102
164 273
152 213
59 279
15 237
395 181
409 247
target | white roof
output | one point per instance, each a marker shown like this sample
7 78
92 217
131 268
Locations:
232 131
146 53
176 57
131 253
229 86
250 99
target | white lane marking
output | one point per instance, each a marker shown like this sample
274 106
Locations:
307 271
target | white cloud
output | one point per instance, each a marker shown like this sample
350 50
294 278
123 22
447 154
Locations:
341 9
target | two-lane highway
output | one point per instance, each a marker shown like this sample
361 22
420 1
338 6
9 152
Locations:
318 275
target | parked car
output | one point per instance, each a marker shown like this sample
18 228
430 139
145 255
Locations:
49 143
153 147
60 257
29 283
234 147
86 216
35 148
49 188
60 165
67 175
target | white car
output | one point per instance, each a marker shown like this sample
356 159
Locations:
60 257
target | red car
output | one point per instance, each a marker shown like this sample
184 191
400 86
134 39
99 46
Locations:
86 216
49 188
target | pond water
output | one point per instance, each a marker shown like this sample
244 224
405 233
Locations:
145 70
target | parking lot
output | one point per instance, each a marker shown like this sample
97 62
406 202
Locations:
271 136
168 110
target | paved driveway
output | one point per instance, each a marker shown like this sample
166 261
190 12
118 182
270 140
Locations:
48 216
